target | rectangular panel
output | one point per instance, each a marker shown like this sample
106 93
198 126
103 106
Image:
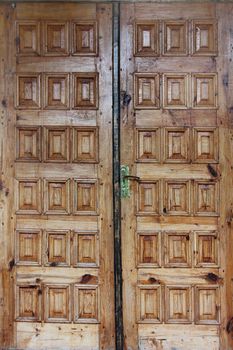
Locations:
57 303
57 248
85 145
28 247
204 91
176 145
28 91
28 303
86 304
84 35
55 38
177 249
28 38
177 197
206 198
178 304
149 304
56 144
148 249
207 305
206 249
175 41
204 37
206 145
85 197
86 249
28 143
28 196
57 200
148 145
175 91
146 91
146 38
148 198
85 90
56 91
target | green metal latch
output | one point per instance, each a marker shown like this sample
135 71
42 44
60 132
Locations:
125 177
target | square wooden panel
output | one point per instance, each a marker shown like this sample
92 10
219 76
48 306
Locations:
146 91
85 38
28 196
57 303
206 198
148 145
28 303
57 194
206 145
175 91
56 38
86 91
56 91
146 38
28 247
86 249
28 38
85 145
56 144
148 198
85 197
207 305
28 91
177 249
204 91
178 304
148 249
176 197
28 143
149 308
204 35
57 247
86 304
175 35
176 145
206 249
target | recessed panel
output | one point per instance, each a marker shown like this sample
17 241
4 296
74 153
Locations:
57 303
28 38
28 143
204 37
148 198
204 91
176 145
149 304
28 199
85 197
177 247
86 94
56 93
175 38
146 91
85 145
86 304
28 247
28 304
56 40
85 40
28 91
206 249
148 145
206 147
149 249
207 305
176 197
178 304
57 248
86 249
146 39
175 94
56 196
56 144
206 198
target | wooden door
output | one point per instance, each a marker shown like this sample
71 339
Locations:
176 137
57 289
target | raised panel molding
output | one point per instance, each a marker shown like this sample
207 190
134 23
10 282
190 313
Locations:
28 143
207 305
175 91
56 144
57 196
148 145
85 145
204 91
28 38
57 303
204 37
176 145
178 304
177 197
28 247
146 38
206 249
175 38
146 91
85 197
28 91
56 91
86 249
85 91
206 145
28 196
55 38
149 308
28 303
86 304
148 198
177 249
85 38
148 249
57 248
206 198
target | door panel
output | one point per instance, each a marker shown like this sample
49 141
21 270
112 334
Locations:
57 236
175 138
